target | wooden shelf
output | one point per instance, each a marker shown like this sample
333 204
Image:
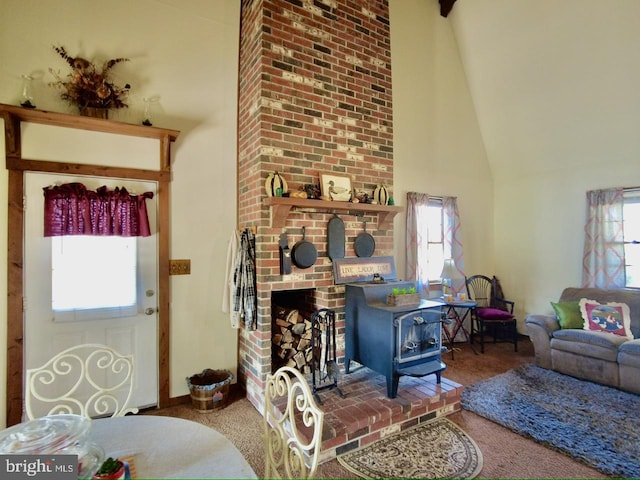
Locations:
68 120
281 206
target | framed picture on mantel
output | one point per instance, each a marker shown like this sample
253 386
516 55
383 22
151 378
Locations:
336 186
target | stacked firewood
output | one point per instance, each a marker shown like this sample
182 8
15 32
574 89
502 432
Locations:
291 339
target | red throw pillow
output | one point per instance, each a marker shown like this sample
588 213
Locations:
493 314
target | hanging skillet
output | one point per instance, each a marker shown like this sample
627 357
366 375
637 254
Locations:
335 237
365 244
285 255
304 253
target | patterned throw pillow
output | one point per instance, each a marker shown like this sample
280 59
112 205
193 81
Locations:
568 314
610 318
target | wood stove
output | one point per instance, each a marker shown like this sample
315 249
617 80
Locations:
392 340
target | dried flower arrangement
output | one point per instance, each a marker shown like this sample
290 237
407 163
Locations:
87 86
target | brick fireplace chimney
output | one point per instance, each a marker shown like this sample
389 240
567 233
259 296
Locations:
314 97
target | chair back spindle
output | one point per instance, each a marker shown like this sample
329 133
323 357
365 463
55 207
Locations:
91 380
292 425
479 289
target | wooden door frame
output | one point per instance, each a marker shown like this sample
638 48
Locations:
17 167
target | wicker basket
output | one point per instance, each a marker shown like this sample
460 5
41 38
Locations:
406 299
209 389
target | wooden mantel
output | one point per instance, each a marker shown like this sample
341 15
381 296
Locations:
281 206
16 165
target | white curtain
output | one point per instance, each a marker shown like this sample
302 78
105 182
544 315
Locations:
416 240
453 240
603 260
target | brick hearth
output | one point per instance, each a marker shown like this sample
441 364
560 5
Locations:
366 414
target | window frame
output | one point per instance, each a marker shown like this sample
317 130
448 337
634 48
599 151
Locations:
631 196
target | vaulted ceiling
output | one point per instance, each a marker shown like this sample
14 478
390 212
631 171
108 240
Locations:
554 83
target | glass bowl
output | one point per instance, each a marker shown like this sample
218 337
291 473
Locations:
55 434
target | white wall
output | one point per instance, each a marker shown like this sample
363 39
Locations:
186 52
438 148
555 85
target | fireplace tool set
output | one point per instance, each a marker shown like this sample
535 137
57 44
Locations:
324 367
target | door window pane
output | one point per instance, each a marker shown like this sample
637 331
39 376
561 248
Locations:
93 277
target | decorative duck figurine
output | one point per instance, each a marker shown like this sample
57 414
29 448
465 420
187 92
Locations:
340 194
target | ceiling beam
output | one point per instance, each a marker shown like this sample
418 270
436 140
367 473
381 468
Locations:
446 6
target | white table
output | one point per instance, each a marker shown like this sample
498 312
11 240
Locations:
167 447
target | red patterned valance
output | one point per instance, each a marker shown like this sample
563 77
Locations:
71 209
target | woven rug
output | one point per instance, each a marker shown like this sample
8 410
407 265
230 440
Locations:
436 449
595 424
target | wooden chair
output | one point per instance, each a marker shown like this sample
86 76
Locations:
292 426
493 314
91 380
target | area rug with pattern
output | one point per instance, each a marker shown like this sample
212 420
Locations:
435 449
592 423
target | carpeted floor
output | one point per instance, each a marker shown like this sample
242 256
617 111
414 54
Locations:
593 423
505 453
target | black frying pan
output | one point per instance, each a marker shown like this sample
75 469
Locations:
365 244
304 253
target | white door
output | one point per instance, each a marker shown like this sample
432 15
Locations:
135 334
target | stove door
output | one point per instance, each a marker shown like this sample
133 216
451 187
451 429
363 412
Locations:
418 334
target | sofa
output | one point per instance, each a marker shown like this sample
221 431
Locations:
566 343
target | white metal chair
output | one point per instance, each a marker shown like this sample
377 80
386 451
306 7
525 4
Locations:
91 380
292 426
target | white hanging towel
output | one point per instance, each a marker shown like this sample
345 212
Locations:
229 286
244 297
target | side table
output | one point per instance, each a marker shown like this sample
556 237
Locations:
458 312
